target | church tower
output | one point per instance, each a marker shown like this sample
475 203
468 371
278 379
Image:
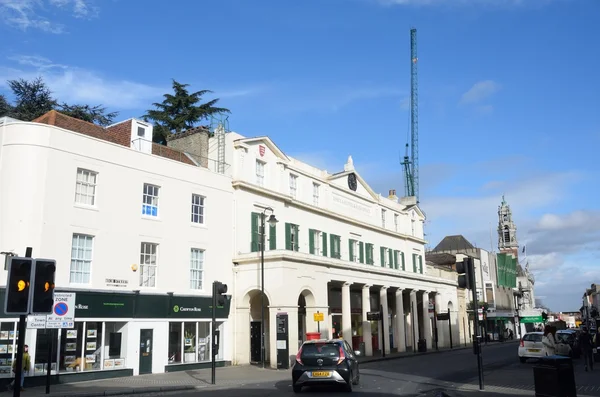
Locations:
507 231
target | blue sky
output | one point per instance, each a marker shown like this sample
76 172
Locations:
508 97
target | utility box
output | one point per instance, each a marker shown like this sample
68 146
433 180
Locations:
554 376
283 350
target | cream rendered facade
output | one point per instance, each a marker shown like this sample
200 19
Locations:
316 257
39 167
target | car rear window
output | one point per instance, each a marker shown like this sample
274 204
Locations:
565 338
320 350
533 337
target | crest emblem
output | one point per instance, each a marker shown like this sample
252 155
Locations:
320 361
261 150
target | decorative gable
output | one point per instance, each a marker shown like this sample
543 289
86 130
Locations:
262 148
350 181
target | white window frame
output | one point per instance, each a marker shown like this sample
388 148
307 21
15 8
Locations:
386 257
85 181
198 206
293 185
399 259
316 187
396 217
81 258
356 251
383 218
148 264
197 258
150 196
293 237
260 172
317 242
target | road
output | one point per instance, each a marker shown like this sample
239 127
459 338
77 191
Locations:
455 372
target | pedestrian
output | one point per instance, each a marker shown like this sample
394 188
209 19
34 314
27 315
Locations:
26 366
548 341
585 341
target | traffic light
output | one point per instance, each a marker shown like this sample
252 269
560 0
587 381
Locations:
544 316
17 285
42 298
220 291
465 273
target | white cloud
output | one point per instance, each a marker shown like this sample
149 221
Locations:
31 14
479 92
75 85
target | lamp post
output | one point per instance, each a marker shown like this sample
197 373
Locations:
272 222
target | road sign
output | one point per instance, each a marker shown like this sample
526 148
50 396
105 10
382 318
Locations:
318 316
63 313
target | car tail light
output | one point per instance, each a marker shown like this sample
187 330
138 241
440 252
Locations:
342 355
522 343
298 357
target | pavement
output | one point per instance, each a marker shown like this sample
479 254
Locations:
452 372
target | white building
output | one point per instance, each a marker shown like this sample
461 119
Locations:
139 231
338 249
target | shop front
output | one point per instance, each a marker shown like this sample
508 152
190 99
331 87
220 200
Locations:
119 334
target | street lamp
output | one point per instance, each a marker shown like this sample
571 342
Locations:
272 222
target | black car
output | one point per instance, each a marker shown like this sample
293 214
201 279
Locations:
325 362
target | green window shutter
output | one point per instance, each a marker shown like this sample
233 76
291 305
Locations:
311 241
369 253
395 262
351 250
254 232
324 248
382 256
288 236
272 237
361 252
391 258
403 262
297 230
414 256
421 264
332 245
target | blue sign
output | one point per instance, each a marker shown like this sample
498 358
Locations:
61 308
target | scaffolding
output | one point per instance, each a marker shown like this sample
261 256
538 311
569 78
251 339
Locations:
219 126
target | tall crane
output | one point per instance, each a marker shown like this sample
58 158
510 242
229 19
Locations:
411 164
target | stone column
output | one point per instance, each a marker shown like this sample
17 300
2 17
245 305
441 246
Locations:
415 319
271 337
366 324
385 330
242 336
346 314
400 333
442 326
426 319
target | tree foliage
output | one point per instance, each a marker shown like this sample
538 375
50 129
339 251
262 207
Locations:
33 98
180 111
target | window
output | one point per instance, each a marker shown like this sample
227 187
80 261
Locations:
189 342
417 263
293 185
315 194
335 246
386 257
256 234
396 222
260 173
399 260
369 253
81 258
197 209
356 251
383 218
315 242
148 265
85 189
291 237
150 200
196 268
506 234
141 131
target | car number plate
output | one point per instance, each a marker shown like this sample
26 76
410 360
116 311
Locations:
321 374
534 350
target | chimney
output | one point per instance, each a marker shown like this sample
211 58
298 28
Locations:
392 195
193 142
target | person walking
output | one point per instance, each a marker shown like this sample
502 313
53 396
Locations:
26 366
548 341
585 341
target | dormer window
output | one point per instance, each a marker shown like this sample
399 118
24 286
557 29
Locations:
141 131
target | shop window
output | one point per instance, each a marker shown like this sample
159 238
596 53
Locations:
93 346
189 342
114 346
70 359
46 339
219 339
8 347
175 343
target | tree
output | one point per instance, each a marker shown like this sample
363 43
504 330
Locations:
180 111
93 114
6 108
33 98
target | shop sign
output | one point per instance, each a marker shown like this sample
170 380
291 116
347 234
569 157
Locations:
196 307
118 283
531 319
96 304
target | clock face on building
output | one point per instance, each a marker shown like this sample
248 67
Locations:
352 181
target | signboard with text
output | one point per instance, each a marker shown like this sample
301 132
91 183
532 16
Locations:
63 313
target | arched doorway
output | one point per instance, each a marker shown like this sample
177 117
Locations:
306 303
257 316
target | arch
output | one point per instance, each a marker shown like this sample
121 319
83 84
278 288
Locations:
250 294
308 295
450 306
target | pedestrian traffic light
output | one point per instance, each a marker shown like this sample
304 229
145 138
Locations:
544 316
465 273
17 285
42 298
220 290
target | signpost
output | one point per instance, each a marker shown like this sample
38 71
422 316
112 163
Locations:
318 317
